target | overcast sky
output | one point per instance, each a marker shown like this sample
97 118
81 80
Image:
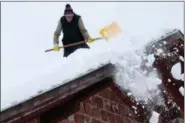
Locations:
28 27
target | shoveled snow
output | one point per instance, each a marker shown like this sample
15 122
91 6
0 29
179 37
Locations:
154 118
164 42
176 71
159 51
181 89
129 94
182 77
151 60
181 58
169 80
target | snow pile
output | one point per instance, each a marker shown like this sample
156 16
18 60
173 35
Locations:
181 90
122 51
154 118
181 58
151 60
159 52
169 80
131 77
176 72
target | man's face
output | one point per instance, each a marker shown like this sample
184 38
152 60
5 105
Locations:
69 17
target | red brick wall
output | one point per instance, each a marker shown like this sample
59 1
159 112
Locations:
35 120
102 107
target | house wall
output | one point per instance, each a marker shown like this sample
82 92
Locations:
102 107
101 103
164 66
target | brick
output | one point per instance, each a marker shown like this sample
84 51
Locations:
116 98
122 101
87 119
81 108
112 118
98 101
105 116
33 121
104 93
107 104
130 111
115 108
127 120
89 100
88 109
94 120
101 122
118 119
78 118
96 112
71 122
63 121
109 88
71 118
122 110
111 95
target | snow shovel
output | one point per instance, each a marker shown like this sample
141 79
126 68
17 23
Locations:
106 33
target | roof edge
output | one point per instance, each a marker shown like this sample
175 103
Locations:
48 99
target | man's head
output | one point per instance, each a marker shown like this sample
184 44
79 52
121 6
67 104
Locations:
68 13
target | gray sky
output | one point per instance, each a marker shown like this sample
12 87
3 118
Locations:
28 27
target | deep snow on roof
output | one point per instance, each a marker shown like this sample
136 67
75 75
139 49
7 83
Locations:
119 50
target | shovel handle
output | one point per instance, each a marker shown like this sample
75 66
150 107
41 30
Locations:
69 45
73 44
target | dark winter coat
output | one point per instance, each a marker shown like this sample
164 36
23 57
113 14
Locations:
73 32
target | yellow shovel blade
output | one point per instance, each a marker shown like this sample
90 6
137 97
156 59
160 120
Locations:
110 30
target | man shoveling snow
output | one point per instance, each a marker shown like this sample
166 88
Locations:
73 30
75 35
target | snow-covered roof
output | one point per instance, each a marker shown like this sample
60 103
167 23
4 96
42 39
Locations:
83 63
80 63
51 97
163 40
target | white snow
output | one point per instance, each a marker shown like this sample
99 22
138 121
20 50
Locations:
169 80
182 77
159 51
181 58
154 118
176 71
164 42
181 90
129 94
27 31
135 108
151 60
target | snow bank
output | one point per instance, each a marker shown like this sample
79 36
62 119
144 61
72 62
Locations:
154 118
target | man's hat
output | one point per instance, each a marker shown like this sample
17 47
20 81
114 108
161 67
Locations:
68 9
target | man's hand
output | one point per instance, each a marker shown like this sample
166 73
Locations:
90 40
56 47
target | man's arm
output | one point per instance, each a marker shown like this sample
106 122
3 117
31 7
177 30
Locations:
83 29
57 33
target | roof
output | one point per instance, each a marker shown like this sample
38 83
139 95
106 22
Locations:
48 99
169 37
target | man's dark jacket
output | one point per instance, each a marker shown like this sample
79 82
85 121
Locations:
72 34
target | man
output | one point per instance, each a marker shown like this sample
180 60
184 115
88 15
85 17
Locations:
73 30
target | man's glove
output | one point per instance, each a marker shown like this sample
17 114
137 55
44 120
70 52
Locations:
90 40
56 47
